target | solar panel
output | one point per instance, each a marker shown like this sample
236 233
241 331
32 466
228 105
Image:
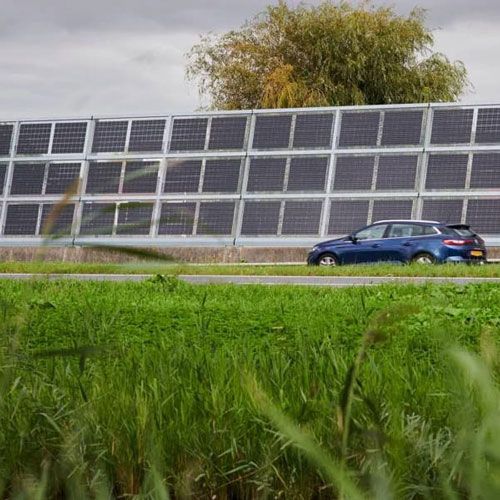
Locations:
391 209
103 177
402 128
188 134
313 130
97 219
5 139
134 218
69 137
3 174
347 216
34 138
308 173
21 219
27 178
483 215
146 136
110 136
62 178
446 171
396 172
448 211
452 126
228 132
216 218
485 171
57 220
183 176
359 128
266 174
261 218
302 217
141 177
353 173
221 176
177 218
488 126
272 132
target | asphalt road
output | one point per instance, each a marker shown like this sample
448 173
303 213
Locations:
333 281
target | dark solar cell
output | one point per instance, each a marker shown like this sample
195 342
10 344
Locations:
483 216
488 126
103 177
177 218
57 221
21 220
140 177
110 136
27 178
62 178
221 176
353 173
183 176
228 132
69 137
266 174
272 132
447 211
313 131
402 128
5 139
446 171
396 172
451 126
347 215
3 174
146 135
302 217
34 138
260 217
359 128
391 209
188 134
97 219
134 218
307 173
216 218
485 171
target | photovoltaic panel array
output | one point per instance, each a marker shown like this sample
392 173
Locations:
247 177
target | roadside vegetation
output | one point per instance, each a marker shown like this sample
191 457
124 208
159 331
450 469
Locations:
173 269
167 390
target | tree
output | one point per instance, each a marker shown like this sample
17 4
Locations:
330 54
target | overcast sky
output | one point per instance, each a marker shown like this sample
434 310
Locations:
83 57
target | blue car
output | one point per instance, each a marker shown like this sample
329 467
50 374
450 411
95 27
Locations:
425 242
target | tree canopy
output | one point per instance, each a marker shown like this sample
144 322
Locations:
325 55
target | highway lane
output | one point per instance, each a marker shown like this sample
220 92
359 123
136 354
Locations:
331 281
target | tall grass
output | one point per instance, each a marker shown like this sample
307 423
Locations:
165 390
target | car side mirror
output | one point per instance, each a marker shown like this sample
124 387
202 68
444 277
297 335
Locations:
352 238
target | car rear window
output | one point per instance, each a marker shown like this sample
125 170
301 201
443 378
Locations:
460 230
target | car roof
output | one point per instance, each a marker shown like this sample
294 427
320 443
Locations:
429 222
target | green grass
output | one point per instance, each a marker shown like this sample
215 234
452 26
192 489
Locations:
491 270
161 388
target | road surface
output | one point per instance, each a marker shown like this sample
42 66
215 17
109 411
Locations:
332 281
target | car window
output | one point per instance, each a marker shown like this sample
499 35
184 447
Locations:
428 230
372 232
405 230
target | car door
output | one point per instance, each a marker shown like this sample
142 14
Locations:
399 242
366 246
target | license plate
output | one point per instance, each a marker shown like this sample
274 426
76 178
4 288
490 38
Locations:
476 253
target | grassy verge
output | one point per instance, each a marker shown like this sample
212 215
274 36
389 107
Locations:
491 270
163 389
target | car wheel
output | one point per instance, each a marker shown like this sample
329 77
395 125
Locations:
328 259
424 258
